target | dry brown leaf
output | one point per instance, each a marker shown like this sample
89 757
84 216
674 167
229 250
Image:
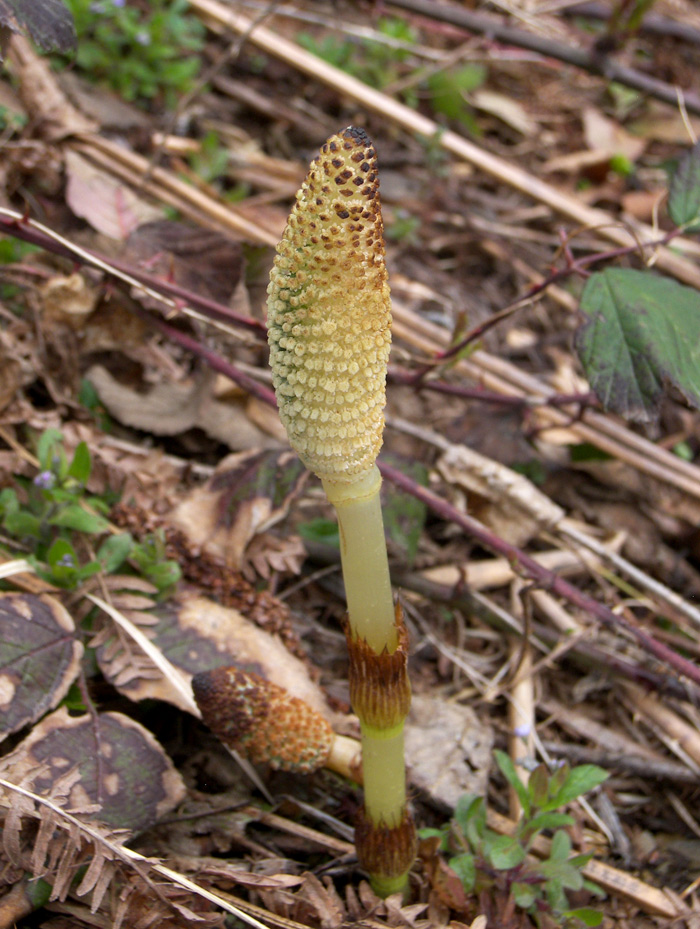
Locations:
124 777
196 634
448 749
110 206
247 494
170 409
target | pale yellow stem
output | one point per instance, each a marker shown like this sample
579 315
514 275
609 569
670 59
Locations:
364 560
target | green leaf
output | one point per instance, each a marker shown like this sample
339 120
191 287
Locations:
524 895
547 820
48 440
586 914
75 517
580 780
464 867
22 524
320 530
684 192
448 90
504 852
641 334
163 575
561 845
114 551
470 818
538 785
81 465
511 775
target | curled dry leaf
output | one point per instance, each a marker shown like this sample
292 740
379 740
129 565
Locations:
448 750
39 657
68 299
125 778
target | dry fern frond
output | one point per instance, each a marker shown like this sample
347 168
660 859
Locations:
98 842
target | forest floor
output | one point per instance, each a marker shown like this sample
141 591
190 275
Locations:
155 525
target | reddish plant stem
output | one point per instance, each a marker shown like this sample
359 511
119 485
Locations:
216 362
572 266
544 577
28 233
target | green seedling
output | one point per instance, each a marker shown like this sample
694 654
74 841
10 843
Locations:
329 319
145 56
64 528
501 867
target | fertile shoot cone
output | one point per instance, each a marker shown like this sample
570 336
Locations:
329 313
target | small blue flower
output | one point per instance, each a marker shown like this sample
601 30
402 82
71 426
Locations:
522 731
66 561
119 3
143 37
45 480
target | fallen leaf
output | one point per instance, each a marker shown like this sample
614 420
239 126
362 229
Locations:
247 494
110 206
124 774
196 634
39 657
68 299
506 109
448 750
171 409
47 22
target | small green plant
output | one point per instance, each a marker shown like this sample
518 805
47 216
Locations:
378 62
60 524
146 53
501 867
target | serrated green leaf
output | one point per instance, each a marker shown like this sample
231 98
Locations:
641 333
684 192
464 867
580 780
511 775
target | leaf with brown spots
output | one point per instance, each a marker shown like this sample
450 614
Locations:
39 657
125 778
